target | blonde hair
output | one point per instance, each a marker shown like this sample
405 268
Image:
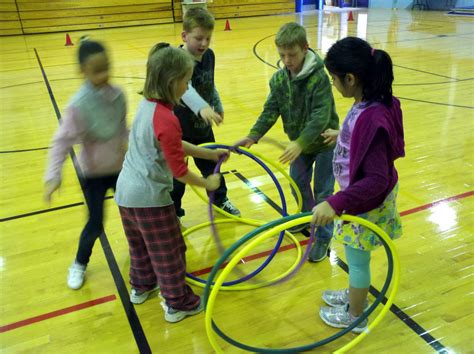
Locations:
291 34
198 17
165 67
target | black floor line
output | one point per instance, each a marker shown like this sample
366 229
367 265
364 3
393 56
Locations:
49 210
135 325
413 325
24 150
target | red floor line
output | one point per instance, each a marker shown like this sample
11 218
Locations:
57 313
430 205
304 242
102 300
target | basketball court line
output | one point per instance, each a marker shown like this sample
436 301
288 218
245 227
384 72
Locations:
57 112
434 343
134 321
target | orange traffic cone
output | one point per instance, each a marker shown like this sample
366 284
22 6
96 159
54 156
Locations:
227 26
68 41
350 18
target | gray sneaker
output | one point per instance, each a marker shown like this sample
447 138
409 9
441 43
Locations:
319 251
172 315
230 208
339 317
138 297
339 298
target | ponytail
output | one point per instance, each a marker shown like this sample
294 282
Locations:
378 87
372 67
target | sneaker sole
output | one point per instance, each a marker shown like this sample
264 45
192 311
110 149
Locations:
137 302
339 306
355 330
317 260
182 316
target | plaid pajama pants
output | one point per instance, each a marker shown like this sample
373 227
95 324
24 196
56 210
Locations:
157 254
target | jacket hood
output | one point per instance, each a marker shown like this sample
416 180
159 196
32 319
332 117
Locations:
312 62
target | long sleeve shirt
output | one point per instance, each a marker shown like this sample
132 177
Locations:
193 126
95 118
376 142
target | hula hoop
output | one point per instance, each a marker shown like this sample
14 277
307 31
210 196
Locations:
192 279
273 227
283 201
256 157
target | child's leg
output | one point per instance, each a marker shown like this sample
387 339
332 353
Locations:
323 187
177 195
359 278
95 189
166 249
301 170
142 275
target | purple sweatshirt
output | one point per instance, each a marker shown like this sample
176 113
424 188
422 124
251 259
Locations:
377 141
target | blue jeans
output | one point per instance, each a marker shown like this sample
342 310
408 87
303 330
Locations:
301 170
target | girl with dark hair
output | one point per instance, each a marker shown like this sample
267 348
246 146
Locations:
96 118
370 140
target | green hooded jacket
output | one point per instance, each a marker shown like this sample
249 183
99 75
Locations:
305 104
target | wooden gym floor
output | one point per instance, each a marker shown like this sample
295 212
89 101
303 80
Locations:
433 58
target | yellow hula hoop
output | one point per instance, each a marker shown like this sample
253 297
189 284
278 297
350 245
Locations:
265 159
251 286
252 244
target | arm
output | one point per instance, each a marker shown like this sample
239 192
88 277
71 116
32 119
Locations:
168 133
375 169
203 153
193 100
216 101
320 115
199 106
69 133
267 118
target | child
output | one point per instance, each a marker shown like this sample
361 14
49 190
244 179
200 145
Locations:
95 117
156 155
370 141
301 94
198 25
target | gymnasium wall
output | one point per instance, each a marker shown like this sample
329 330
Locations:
222 9
9 18
42 16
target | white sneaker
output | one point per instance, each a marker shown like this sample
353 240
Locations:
172 315
137 297
76 275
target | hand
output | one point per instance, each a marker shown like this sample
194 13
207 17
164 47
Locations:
323 214
245 142
49 188
292 151
330 136
217 154
210 116
213 182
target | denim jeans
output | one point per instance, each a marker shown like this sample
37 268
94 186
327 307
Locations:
301 170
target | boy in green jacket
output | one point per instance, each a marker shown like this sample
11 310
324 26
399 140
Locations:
301 94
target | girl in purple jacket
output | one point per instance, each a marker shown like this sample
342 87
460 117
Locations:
370 140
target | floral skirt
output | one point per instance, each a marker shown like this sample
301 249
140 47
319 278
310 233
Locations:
385 216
